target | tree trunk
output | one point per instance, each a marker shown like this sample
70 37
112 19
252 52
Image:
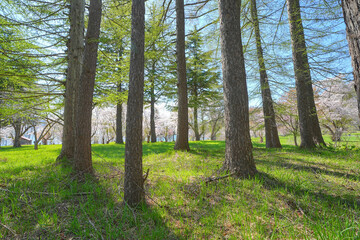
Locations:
295 140
351 9
310 131
152 111
196 125
238 152
82 154
17 129
182 141
75 58
36 142
271 132
119 109
134 182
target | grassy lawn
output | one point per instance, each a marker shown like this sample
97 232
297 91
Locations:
297 195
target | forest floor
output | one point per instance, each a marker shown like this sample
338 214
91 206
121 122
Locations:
297 194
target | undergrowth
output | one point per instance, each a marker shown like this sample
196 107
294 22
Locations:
297 194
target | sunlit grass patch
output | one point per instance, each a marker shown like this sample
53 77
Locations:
298 194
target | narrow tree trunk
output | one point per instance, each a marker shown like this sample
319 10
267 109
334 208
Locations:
238 152
310 131
75 57
182 141
271 132
351 9
119 109
82 155
17 129
152 111
196 124
295 140
134 182
36 142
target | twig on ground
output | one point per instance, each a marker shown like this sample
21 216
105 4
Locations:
210 179
8 228
46 193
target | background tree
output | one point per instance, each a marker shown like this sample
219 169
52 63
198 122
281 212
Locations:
202 79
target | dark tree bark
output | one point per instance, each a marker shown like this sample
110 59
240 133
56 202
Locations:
182 138
196 124
134 182
238 152
351 9
75 57
152 110
119 109
310 131
82 154
271 132
17 128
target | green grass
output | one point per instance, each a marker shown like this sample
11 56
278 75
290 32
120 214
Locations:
297 194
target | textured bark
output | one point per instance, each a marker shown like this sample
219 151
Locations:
238 152
310 131
182 141
196 124
134 182
351 9
82 154
17 129
75 57
271 132
119 109
152 111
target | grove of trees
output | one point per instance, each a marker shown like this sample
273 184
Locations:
69 69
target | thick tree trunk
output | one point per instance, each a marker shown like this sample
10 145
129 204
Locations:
152 112
75 58
17 129
351 9
182 141
271 132
82 154
238 152
310 131
134 182
119 109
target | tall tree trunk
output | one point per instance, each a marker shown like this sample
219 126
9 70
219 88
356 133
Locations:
17 128
182 138
152 110
134 182
75 57
271 132
119 109
310 131
238 152
351 9
82 154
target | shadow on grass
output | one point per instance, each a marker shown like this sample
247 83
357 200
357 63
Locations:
272 183
47 203
312 169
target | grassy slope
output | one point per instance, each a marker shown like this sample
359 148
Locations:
297 195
